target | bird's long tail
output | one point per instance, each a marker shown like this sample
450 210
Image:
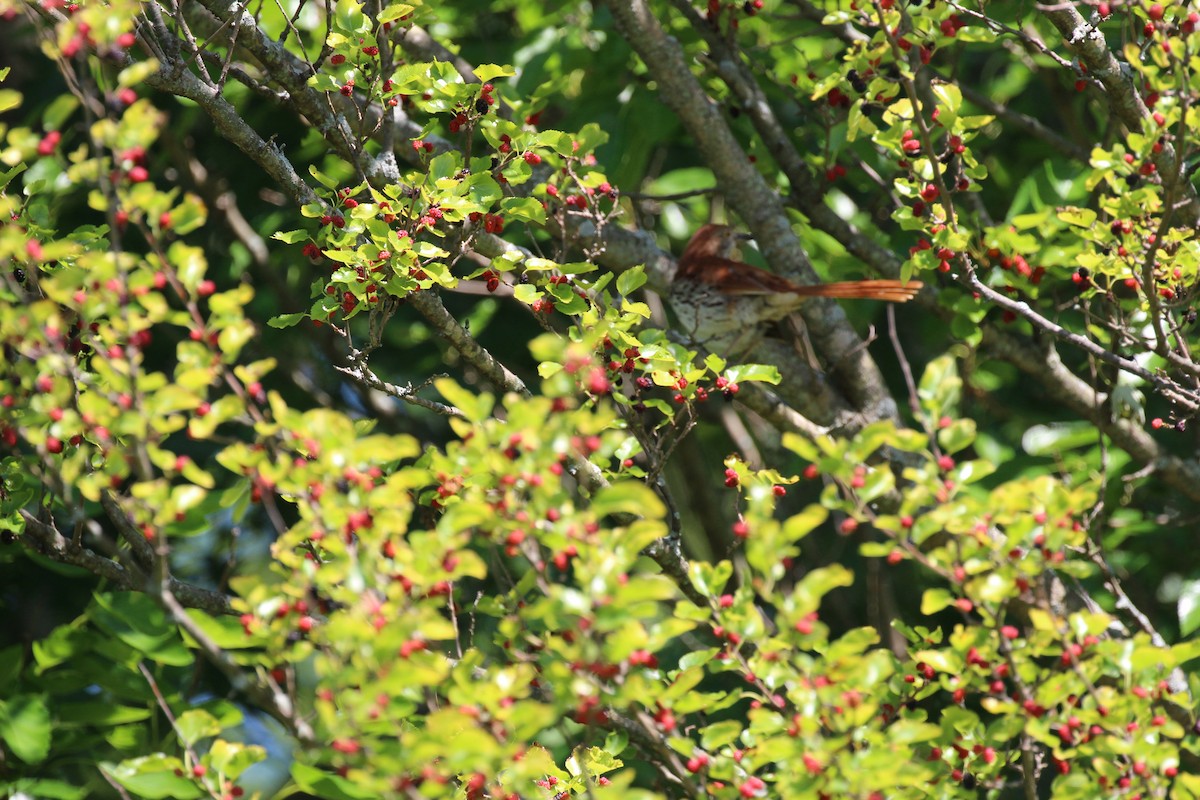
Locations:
891 291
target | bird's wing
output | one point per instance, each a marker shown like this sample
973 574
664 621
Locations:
735 277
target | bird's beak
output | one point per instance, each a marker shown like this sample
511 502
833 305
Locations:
744 237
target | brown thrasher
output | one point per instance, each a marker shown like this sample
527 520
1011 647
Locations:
726 305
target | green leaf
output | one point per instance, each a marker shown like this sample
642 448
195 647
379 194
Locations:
45 789
234 758
940 387
636 309
590 137
710 579
325 180
934 600
877 483
189 262
11 659
1184 652
8 175
941 660
949 95
286 320
1188 608
797 526
517 172
323 82
631 280
62 644
715 363
677 181
627 497
815 585
976 470
1080 217
349 16
958 435
97 713
616 741
1056 437
476 408
802 447
153 777
196 724
719 734
523 209
394 11
697 658
291 237
870 439
767 373
139 622
444 165
526 293
9 99
25 727
684 682
327 785
487 72
598 761
58 111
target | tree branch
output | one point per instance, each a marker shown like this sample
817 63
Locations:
1087 43
747 191
47 541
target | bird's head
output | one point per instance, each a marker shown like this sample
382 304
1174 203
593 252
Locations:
714 240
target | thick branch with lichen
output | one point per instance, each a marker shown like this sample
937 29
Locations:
754 200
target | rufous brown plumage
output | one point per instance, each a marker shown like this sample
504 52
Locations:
725 304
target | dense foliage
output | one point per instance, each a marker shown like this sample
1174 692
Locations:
349 450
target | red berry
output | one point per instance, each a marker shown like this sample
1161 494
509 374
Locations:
752 787
49 143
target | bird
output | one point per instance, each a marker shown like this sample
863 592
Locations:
727 305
